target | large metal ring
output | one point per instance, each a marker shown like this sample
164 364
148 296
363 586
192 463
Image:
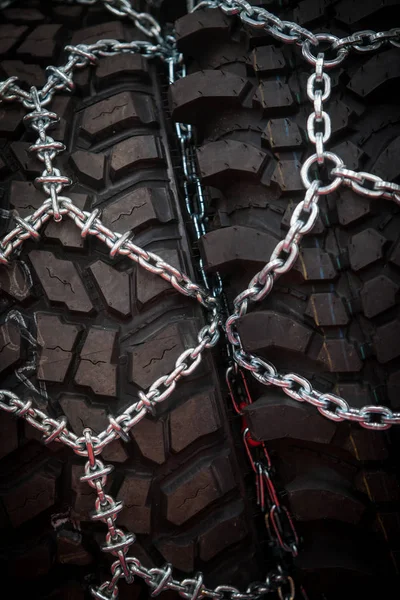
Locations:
324 37
304 174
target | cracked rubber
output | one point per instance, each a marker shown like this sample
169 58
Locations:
82 334
335 317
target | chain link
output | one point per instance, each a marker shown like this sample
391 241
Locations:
277 518
118 542
281 261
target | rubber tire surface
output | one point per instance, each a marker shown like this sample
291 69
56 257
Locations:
335 317
82 334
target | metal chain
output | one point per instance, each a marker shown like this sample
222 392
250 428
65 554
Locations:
157 579
290 32
286 252
277 517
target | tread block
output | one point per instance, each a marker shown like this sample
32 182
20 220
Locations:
156 356
350 154
276 416
89 167
377 295
273 97
322 494
23 15
149 436
357 394
340 356
112 30
386 341
81 414
306 12
189 493
287 175
221 161
393 389
228 246
116 113
27 74
15 281
113 286
378 485
135 152
67 14
282 134
366 248
120 66
267 60
28 161
366 445
61 281
139 209
267 329
84 496
200 409
10 345
387 164
179 552
96 367
339 113
56 341
394 257
41 42
32 495
149 287
70 550
8 434
193 28
134 492
227 532
25 198
192 97
315 264
351 207
327 309
346 14
66 232
9 36
374 73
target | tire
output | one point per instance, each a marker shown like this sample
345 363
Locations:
335 317
82 334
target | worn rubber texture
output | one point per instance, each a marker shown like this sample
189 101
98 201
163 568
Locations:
82 334
335 317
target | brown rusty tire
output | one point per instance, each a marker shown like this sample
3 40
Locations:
335 317
82 334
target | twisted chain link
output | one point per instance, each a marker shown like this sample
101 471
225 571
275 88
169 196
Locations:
56 205
277 517
117 543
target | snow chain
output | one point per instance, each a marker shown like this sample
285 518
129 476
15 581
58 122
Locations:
57 205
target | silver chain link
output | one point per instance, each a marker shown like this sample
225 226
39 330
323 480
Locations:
56 205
